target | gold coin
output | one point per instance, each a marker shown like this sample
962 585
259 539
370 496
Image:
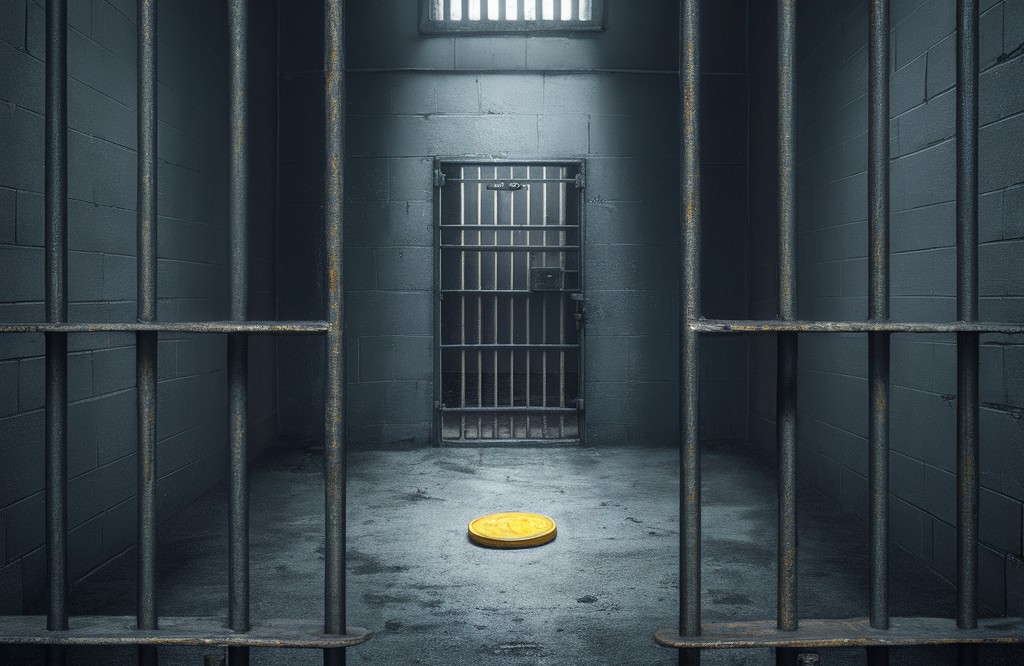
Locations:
512 529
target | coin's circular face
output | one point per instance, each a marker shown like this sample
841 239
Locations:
512 529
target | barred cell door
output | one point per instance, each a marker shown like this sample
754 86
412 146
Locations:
509 318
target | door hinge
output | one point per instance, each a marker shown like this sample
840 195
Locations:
581 181
439 178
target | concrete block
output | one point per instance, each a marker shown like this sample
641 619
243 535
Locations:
1000 518
12 20
113 369
1014 586
411 179
360 269
564 135
992 578
928 124
379 224
8 216
11 594
607 358
8 388
20 72
630 267
908 85
26 526
119 528
502 52
924 27
405 269
409 402
85 548
999 164
511 93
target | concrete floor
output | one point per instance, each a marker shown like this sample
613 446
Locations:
593 596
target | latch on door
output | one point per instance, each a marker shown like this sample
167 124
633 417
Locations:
543 278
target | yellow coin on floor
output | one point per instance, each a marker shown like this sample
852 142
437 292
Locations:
512 529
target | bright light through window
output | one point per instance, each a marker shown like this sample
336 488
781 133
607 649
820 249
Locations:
512 15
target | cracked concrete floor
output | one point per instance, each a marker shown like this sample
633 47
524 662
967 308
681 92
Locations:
595 595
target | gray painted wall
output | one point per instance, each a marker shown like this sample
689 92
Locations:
832 252
192 275
414 97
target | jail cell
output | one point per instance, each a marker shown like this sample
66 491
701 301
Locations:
788 634
57 630
510 307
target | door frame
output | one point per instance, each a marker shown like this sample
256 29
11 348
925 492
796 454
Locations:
436 185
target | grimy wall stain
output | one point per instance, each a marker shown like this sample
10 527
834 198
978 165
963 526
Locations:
832 193
192 274
610 98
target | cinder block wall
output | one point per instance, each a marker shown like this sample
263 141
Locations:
832 154
192 276
610 98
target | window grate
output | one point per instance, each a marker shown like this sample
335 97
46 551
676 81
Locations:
498 16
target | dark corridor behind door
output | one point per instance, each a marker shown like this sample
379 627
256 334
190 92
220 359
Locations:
510 307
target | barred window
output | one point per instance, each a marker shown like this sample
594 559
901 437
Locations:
498 16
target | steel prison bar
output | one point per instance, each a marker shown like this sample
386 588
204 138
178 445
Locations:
878 310
146 341
967 311
786 388
56 260
689 291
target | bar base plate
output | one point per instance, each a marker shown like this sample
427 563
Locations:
855 632
120 630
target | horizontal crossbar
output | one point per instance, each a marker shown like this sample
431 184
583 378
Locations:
120 630
275 327
510 410
778 326
856 632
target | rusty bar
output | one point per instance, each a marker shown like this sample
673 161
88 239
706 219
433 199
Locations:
217 327
146 341
878 310
238 352
734 327
91 630
334 403
689 290
56 260
786 394
967 311
848 633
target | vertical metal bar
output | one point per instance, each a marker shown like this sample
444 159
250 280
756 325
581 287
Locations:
479 305
527 300
689 292
238 510
465 9
495 299
786 395
512 310
56 413
334 391
462 297
146 343
878 309
562 191
544 307
967 310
